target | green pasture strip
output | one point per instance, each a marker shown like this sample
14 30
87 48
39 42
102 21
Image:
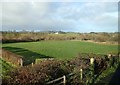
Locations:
6 66
58 49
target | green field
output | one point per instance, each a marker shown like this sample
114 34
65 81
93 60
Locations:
58 49
5 66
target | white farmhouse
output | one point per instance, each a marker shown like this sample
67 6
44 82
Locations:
56 33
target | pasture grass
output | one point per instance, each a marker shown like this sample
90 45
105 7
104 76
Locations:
5 66
58 49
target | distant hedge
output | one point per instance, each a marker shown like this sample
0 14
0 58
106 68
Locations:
11 37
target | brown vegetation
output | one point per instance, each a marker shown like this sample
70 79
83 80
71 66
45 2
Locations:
12 58
51 69
37 74
8 37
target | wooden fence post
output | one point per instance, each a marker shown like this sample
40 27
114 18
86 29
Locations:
81 74
21 62
91 61
64 80
32 64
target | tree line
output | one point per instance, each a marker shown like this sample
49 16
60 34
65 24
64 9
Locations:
11 37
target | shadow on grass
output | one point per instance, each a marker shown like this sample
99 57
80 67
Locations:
28 56
115 80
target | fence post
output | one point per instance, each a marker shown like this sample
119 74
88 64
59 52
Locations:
109 57
92 64
64 80
91 61
21 62
32 64
81 74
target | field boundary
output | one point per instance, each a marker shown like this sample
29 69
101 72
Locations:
12 57
92 69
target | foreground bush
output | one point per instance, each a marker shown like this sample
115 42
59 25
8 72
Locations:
37 74
48 70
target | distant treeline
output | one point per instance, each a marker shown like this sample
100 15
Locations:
10 37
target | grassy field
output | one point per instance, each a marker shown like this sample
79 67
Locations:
58 49
5 66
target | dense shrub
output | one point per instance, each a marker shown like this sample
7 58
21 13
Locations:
37 74
48 70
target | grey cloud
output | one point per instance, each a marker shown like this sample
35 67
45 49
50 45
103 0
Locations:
56 16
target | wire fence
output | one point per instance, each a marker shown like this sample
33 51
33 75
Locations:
90 74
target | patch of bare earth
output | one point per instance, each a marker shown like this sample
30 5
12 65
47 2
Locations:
106 43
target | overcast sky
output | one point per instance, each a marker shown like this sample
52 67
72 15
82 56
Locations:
60 16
